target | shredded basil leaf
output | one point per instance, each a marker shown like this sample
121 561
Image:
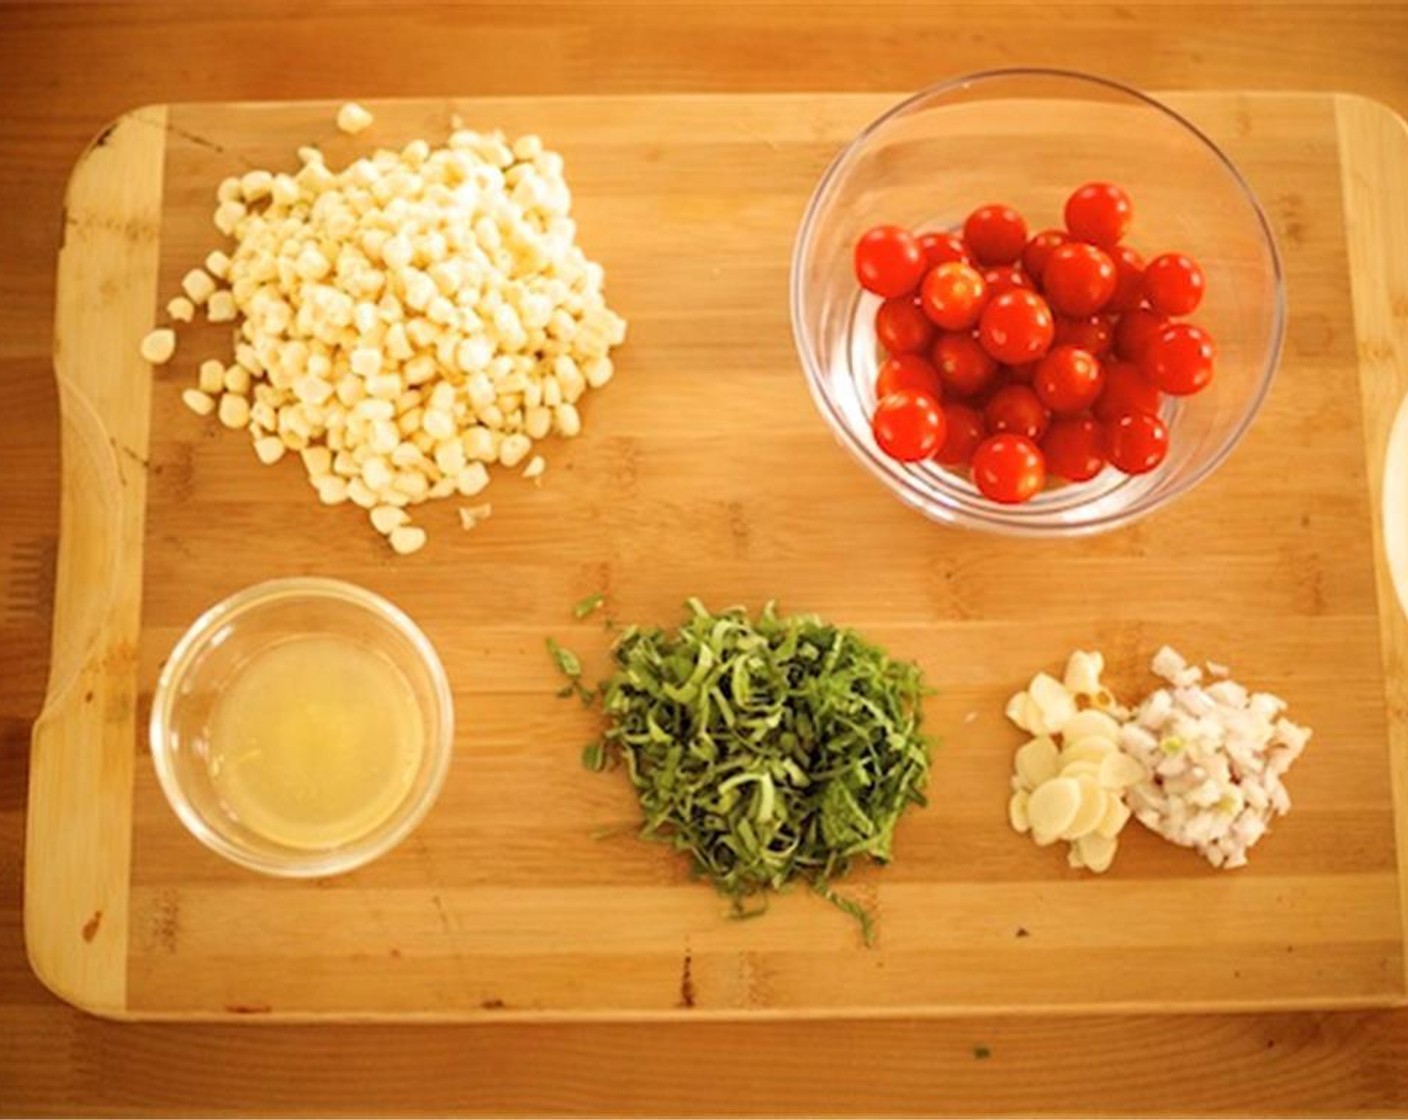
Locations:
567 661
769 749
587 606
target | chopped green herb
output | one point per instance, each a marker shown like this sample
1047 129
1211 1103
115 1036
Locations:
588 605
769 750
567 661
594 756
567 690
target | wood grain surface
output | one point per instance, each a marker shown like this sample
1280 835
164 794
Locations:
501 905
69 68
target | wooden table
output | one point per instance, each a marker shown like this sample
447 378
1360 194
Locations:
65 69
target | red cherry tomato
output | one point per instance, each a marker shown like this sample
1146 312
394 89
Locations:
1008 468
1039 248
1095 333
995 234
1129 279
1179 359
1074 448
1023 374
1137 442
1016 409
908 425
1134 330
953 295
1126 391
889 261
964 366
1173 284
940 248
964 431
1099 213
1068 380
1004 278
1016 327
907 371
902 328
1078 279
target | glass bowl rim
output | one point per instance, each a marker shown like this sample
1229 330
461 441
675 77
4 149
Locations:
312 864
1001 520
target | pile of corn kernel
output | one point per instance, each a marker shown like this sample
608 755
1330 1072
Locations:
401 324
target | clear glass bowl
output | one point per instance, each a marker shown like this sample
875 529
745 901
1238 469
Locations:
1028 138
220 643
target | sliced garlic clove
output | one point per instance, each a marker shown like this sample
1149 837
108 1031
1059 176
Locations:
1090 813
1016 710
1118 770
1091 724
1081 769
1056 705
1083 672
1052 807
1087 750
1017 811
1116 817
1096 852
1035 761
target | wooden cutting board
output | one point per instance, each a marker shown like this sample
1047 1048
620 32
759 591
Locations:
704 470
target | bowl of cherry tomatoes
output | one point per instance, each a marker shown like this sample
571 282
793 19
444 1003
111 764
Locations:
1036 302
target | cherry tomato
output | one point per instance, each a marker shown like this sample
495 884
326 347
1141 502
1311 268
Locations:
1129 279
1099 213
1023 374
1004 278
1016 409
902 327
1179 359
995 234
889 261
963 366
1134 330
1068 380
908 425
953 295
1096 333
1078 279
1074 448
1039 248
1173 284
907 371
964 431
940 248
1126 391
1008 468
1136 442
1016 327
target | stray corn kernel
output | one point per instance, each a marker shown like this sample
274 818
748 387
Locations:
198 285
181 309
158 346
406 539
202 404
270 449
470 516
385 519
220 307
352 118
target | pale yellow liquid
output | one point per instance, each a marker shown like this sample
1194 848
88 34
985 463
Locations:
315 742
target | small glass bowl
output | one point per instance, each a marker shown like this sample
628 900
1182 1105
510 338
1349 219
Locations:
1028 138
220 643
